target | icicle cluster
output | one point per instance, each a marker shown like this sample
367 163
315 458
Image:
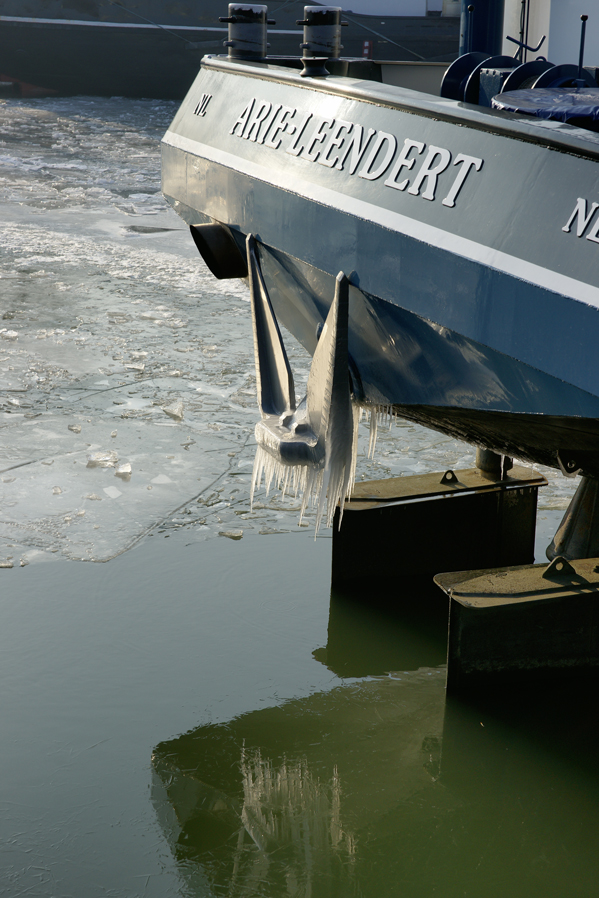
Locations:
380 416
333 481
310 448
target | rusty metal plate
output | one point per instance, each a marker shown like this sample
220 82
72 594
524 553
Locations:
396 490
527 583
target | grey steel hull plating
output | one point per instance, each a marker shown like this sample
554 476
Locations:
478 316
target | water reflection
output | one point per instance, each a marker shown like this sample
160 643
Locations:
278 802
382 788
398 628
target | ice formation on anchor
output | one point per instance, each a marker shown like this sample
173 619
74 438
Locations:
310 448
379 415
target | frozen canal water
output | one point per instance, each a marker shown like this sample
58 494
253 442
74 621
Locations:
118 349
108 317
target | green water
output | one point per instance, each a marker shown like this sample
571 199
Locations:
203 720
198 718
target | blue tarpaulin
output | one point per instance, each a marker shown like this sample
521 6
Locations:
556 103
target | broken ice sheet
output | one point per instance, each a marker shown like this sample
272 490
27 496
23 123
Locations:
86 252
123 471
104 459
231 534
174 410
162 478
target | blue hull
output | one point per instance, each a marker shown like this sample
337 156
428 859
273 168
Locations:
475 313
445 380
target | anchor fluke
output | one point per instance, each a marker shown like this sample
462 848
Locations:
310 448
276 393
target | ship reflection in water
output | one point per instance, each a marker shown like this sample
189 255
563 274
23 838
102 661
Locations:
382 788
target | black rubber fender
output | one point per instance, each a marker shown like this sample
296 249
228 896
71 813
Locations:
219 251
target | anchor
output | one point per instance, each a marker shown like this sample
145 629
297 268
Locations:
311 446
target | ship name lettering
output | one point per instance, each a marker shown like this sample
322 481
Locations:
336 139
202 106
583 220
317 137
369 154
273 135
295 147
257 117
357 145
380 156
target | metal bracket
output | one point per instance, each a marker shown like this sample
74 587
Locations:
560 567
449 477
523 46
569 466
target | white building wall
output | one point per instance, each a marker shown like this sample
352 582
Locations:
539 24
560 21
452 8
564 40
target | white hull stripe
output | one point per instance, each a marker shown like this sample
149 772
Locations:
394 221
28 20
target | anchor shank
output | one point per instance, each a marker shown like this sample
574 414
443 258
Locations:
276 390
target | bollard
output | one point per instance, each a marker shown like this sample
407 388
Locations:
247 31
322 31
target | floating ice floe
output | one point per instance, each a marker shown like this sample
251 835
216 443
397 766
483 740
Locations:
107 458
231 534
174 410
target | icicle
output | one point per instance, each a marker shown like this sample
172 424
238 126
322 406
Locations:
314 483
312 448
373 432
380 416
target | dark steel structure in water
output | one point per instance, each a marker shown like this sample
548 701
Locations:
154 48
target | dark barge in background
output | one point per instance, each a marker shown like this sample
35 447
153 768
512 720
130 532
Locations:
152 48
